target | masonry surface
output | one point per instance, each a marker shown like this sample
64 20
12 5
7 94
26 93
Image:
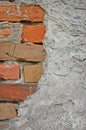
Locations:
60 101
21 55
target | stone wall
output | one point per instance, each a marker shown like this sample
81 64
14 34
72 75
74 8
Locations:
60 101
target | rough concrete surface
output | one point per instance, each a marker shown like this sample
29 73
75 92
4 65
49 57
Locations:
60 102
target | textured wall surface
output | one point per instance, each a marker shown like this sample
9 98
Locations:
60 102
21 55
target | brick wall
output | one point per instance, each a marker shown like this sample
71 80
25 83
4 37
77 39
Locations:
21 54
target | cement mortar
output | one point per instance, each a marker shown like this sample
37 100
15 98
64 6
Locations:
16 29
60 102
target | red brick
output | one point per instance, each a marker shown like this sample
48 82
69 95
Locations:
33 33
28 13
16 92
4 32
32 73
9 71
7 111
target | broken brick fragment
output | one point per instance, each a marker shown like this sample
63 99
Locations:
4 32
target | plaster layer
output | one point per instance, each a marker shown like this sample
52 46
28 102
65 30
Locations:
60 102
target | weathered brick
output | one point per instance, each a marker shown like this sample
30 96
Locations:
16 92
7 111
22 52
29 52
32 73
27 13
4 32
9 71
6 51
33 33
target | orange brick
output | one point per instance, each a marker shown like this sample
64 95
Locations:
7 111
29 52
6 51
9 71
22 52
33 33
33 13
4 32
32 73
28 13
16 92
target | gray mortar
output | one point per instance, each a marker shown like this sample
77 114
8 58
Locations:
60 102
16 29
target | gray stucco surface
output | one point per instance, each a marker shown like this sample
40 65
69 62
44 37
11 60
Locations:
60 101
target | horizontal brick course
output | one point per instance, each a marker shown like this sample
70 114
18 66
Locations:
28 13
9 71
22 52
7 111
16 92
32 73
33 33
